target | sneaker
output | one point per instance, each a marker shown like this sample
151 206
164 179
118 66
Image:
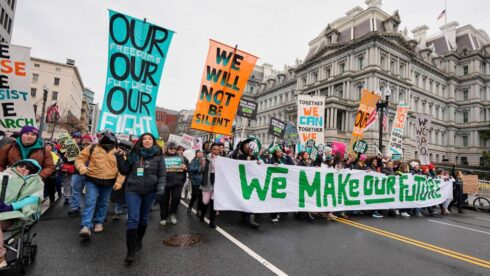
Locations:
84 233
98 228
331 216
275 220
405 215
377 215
116 216
173 219
163 222
397 213
419 214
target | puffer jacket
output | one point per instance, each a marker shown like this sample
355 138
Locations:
11 154
154 174
196 172
101 166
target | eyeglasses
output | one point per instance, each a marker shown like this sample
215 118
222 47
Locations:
171 148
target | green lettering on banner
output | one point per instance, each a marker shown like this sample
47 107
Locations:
404 189
419 180
390 183
368 184
277 183
329 190
304 186
379 200
379 189
343 194
353 187
437 192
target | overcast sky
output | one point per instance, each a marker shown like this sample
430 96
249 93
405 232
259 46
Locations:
277 31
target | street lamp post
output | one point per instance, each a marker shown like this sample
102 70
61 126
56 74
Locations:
45 98
380 106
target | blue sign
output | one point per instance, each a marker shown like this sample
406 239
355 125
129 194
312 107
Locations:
137 52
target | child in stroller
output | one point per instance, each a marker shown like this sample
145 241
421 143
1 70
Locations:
19 208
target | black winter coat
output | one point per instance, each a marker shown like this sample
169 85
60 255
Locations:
177 178
154 177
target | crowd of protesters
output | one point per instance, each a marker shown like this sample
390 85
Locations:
138 175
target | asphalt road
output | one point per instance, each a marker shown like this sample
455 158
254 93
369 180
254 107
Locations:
440 245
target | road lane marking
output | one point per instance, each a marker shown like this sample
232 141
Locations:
482 218
458 226
243 247
430 247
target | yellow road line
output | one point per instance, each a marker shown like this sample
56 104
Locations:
430 247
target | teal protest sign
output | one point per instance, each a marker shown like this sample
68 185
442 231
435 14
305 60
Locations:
173 164
137 53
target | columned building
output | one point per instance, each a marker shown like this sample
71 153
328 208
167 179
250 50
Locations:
445 75
7 14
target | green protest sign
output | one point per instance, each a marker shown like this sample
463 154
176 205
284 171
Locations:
360 146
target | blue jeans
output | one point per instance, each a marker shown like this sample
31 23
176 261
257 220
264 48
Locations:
139 207
77 185
96 202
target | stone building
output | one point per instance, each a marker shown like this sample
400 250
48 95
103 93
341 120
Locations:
7 15
445 75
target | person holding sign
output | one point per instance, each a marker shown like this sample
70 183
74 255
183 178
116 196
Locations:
176 167
207 185
27 146
146 174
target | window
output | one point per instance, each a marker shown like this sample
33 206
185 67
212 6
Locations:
35 109
314 77
37 65
465 95
33 92
9 28
328 72
465 70
383 62
341 67
58 69
402 69
303 81
465 116
416 79
56 81
392 66
1 16
35 78
54 97
360 60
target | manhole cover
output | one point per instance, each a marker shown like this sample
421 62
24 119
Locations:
182 240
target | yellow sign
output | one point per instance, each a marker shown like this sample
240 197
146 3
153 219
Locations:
367 106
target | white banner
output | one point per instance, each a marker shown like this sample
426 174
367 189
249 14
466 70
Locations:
311 118
15 96
422 130
249 187
396 139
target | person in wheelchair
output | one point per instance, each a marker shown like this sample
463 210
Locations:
22 198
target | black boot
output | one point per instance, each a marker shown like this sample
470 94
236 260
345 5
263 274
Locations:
252 222
212 215
202 215
139 239
131 236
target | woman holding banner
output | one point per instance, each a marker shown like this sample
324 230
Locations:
145 177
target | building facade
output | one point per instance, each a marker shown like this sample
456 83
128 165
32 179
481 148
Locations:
166 120
89 95
93 119
446 76
65 87
7 14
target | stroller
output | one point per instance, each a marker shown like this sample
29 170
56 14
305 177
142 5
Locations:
19 242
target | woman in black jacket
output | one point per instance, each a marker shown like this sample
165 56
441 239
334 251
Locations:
176 177
146 175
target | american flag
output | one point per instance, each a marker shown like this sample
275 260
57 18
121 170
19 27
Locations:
372 118
443 13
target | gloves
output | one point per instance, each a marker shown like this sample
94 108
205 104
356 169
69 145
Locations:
5 207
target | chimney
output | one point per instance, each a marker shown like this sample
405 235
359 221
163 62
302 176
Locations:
449 31
420 34
267 70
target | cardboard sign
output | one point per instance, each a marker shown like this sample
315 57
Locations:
137 53
277 128
68 147
175 139
187 141
396 139
471 185
224 78
16 109
422 129
173 164
311 118
367 106
247 109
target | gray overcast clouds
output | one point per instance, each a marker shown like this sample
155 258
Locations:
277 31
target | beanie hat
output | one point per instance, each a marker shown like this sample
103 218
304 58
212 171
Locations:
26 129
87 137
363 157
431 167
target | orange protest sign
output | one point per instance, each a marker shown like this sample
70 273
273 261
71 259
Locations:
224 78
367 105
